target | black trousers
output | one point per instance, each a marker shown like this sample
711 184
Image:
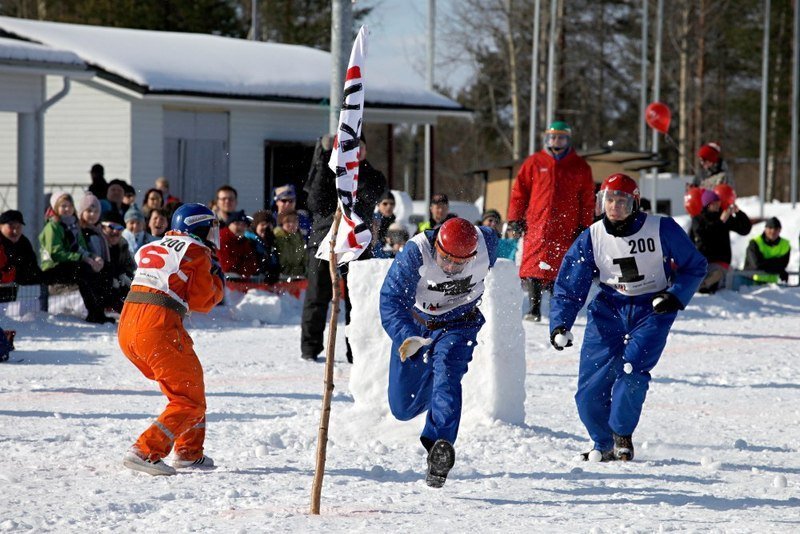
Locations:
535 287
315 307
90 284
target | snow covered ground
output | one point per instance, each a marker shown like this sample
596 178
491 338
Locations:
717 448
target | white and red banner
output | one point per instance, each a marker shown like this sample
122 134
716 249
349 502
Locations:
354 234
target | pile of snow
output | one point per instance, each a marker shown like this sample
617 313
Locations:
494 386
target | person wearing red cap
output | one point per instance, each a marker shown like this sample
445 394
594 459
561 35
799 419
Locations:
429 308
713 170
647 270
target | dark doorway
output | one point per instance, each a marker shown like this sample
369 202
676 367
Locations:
286 163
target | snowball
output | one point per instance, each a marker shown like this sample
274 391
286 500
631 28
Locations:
705 461
544 266
779 481
595 456
576 470
377 471
658 300
645 445
740 444
231 494
561 340
628 368
261 451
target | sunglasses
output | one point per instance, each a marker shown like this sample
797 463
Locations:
113 226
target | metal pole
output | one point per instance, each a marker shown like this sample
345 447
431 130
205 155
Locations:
551 62
657 92
643 77
795 101
341 33
254 20
534 78
762 163
429 85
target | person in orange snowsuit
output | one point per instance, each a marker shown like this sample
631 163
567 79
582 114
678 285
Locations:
174 275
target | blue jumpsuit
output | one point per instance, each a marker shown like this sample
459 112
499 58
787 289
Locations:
620 328
431 383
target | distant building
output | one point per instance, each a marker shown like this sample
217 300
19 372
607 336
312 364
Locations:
202 110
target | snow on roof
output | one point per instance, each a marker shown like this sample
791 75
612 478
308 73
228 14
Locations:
171 62
16 51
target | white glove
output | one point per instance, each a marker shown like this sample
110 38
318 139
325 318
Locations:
411 345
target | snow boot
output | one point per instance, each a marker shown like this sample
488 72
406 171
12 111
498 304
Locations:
204 462
134 461
604 456
441 459
533 317
623 448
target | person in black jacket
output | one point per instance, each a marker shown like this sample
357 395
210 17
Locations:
710 233
21 265
322 201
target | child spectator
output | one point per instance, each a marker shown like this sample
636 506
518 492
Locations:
710 233
260 233
237 254
158 222
286 202
769 253
290 246
21 265
508 245
134 232
129 197
66 258
121 265
491 219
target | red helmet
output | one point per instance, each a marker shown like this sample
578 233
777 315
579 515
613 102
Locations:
457 239
619 184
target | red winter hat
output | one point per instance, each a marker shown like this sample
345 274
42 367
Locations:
709 152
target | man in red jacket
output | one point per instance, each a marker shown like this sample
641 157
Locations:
552 201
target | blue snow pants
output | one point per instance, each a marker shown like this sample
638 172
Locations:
619 330
417 385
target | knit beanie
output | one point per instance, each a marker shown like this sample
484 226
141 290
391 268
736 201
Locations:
708 197
133 214
709 152
88 201
55 196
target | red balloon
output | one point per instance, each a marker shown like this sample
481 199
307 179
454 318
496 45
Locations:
658 116
692 201
726 194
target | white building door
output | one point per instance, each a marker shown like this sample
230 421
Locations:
195 153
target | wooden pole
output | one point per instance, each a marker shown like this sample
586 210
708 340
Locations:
325 416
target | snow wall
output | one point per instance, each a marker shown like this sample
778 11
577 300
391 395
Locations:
494 386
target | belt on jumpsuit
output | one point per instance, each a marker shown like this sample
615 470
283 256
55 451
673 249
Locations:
432 324
156 299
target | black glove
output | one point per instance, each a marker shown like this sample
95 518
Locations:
666 302
561 331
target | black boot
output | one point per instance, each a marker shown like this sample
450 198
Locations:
441 459
623 448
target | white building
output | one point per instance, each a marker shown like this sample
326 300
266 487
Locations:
202 110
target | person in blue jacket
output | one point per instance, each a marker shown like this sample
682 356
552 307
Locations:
429 308
648 270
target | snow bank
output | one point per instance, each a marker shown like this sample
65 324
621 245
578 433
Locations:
494 387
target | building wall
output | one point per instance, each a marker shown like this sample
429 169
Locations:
250 129
8 160
87 126
147 146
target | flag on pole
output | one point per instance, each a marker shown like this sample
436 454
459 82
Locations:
354 235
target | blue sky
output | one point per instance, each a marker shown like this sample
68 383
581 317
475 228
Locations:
398 34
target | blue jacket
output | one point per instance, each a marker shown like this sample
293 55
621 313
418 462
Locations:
578 270
399 289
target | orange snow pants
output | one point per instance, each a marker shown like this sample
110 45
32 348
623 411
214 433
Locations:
154 340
